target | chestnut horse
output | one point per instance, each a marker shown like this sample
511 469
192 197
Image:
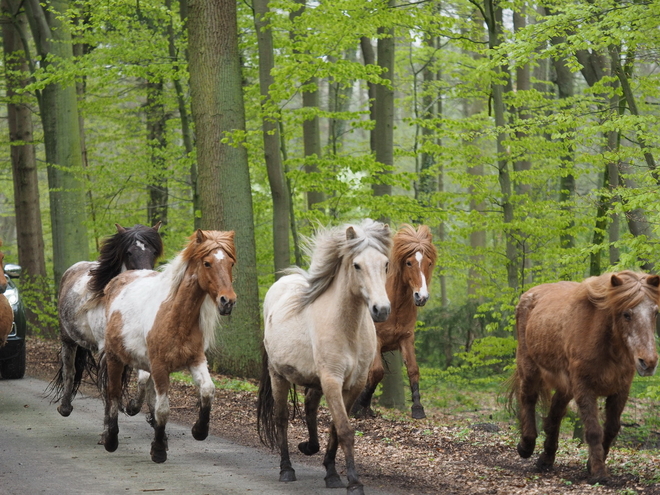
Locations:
412 261
319 333
164 321
81 306
584 340
6 311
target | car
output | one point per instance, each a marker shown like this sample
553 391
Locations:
12 354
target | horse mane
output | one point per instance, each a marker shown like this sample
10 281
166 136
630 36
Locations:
200 244
328 250
112 255
408 241
631 290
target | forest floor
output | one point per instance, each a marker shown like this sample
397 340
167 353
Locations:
442 454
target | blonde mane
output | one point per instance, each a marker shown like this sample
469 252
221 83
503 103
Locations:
408 241
330 248
615 292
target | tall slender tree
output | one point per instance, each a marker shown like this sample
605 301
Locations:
224 178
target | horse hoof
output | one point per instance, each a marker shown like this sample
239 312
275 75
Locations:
356 489
200 432
545 462
287 475
132 408
334 481
111 442
64 411
158 456
525 451
598 480
418 412
308 448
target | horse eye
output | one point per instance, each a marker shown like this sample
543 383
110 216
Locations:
207 264
408 263
357 267
387 267
627 316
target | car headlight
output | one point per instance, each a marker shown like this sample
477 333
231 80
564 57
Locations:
12 296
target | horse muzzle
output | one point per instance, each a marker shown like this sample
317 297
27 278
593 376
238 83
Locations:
380 313
226 305
646 367
3 288
420 300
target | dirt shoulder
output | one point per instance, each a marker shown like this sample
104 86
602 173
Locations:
431 456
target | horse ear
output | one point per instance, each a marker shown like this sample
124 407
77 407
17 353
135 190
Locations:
157 226
120 229
231 234
616 281
350 233
201 237
654 280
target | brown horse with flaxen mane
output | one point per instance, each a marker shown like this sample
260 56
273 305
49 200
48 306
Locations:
6 312
412 261
583 340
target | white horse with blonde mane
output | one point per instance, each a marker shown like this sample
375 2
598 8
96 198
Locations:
320 334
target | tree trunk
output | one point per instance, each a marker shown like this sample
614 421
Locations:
59 116
271 134
23 160
224 178
157 180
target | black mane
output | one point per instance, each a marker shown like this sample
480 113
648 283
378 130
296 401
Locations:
114 254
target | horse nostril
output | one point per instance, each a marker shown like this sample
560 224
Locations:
223 300
642 363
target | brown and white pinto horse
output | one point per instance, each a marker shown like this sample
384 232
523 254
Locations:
164 321
412 261
584 340
6 313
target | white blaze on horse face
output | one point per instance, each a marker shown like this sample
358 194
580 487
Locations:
220 254
423 290
141 245
641 337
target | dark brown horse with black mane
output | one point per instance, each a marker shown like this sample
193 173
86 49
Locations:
583 340
81 307
412 261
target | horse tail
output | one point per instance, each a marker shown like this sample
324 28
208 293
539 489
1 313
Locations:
102 380
83 362
266 406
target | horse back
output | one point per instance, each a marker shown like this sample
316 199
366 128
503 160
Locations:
73 298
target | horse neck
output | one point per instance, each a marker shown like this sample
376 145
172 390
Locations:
189 296
401 298
349 309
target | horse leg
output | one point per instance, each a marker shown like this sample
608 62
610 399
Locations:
161 379
115 369
362 406
280 390
528 394
551 426
202 378
593 434
614 405
408 354
150 396
68 357
342 434
312 400
135 404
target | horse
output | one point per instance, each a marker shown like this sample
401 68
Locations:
6 311
81 305
412 261
164 321
584 340
319 333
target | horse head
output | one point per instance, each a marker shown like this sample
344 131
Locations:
637 322
368 271
139 247
216 259
414 256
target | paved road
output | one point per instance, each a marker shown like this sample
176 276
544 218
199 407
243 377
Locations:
43 453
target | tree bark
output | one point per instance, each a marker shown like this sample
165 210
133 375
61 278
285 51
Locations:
29 229
59 116
224 177
157 181
271 134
